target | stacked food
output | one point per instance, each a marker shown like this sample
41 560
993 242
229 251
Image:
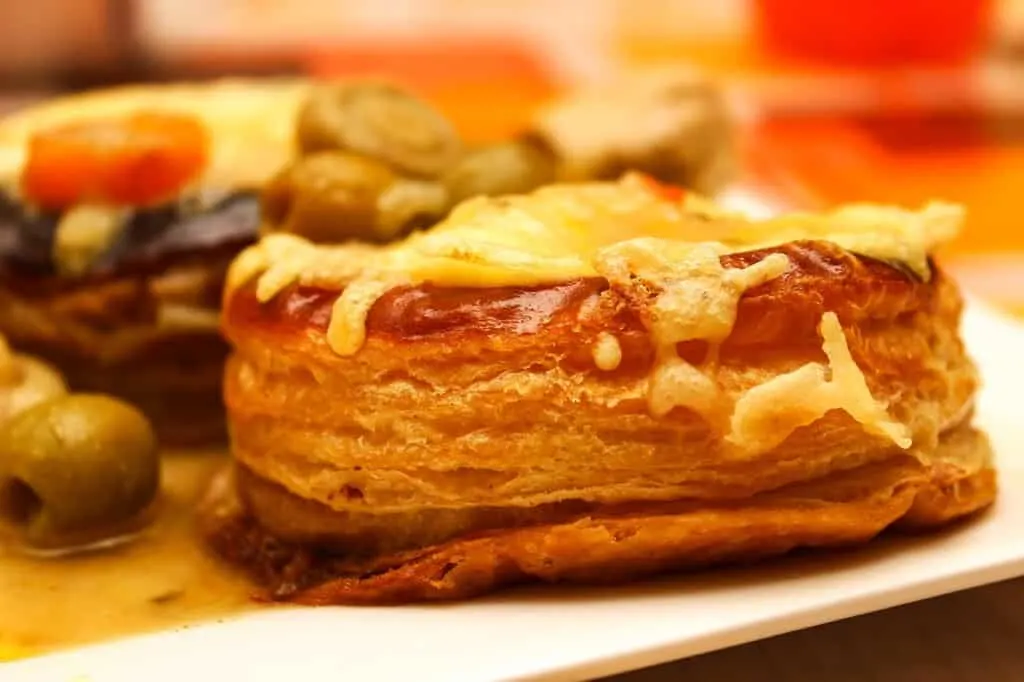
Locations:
457 366
119 213
590 382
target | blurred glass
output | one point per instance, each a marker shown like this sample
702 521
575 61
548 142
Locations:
873 33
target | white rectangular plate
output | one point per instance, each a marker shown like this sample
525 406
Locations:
576 634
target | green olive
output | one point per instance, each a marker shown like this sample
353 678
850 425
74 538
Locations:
335 196
380 121
26 382
506 168
76 470
410 204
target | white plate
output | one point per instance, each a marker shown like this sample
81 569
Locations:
576 634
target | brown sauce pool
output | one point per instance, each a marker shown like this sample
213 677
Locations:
162 579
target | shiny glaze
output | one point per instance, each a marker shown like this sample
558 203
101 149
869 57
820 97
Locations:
821 277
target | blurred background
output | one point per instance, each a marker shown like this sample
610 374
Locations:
901 100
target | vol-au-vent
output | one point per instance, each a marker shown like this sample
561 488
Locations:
591 382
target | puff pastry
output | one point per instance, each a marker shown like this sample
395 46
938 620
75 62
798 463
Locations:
591 383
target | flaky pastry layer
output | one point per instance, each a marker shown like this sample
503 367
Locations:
672 403
607 543
481 397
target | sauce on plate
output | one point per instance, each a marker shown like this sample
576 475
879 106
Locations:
163 579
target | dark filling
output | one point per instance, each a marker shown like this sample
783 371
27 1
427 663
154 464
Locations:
150 235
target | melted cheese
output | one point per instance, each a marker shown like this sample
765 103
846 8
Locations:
766 414
280 260
676 383
607 352
554 233
887 233
347 329
569 231
695 298
84 233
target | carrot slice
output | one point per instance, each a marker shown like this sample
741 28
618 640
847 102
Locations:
671 193
137 160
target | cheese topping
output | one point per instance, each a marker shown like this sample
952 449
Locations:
619 230
887 233
676 383
766 414
695 298
281 260
554 234
347 329
607 352
83 233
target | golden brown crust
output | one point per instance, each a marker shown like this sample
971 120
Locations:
618 543
821 277
469 413
476 438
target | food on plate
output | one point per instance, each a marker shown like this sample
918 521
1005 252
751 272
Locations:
370 167
76 470
149 571
119 213
589 383
671 123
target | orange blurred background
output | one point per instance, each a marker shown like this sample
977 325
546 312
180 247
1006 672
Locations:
899 101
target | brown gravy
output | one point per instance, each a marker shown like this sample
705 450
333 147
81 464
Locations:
162 579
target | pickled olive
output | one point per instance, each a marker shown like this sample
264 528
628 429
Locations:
26 382
409 204
379 121
506 168
327 197
337 196
76 470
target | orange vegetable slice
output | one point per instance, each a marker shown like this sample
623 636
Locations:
138 160
670 193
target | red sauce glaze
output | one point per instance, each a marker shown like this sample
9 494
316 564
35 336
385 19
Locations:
821 277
